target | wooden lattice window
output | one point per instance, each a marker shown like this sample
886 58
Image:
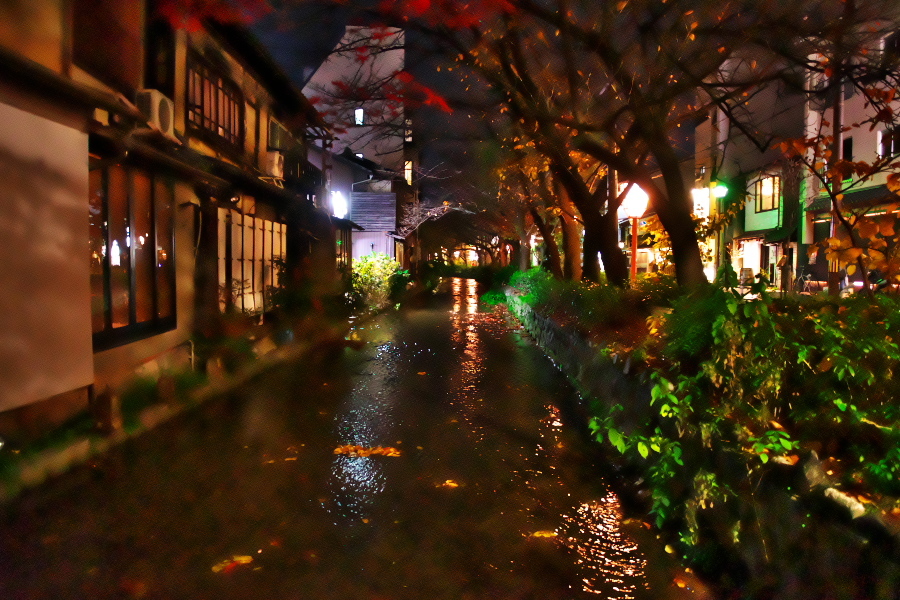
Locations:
214 104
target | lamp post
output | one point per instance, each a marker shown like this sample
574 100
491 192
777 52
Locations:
634 205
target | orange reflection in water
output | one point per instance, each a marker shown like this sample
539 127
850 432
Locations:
466 318
465 296
611 562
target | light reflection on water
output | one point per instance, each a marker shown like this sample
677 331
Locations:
366 420
465 296
358 479
609 561
466 382
586 524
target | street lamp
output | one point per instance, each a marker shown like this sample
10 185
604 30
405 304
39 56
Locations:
634 205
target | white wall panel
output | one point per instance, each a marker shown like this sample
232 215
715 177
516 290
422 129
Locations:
45 319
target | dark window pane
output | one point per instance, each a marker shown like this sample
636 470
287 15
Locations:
119 250
165 251
847 148
143 245
98 250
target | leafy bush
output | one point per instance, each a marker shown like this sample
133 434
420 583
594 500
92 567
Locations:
397 284
535 284
372 279
745 380
741 382
594 308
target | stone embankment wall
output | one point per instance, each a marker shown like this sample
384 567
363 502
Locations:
598 377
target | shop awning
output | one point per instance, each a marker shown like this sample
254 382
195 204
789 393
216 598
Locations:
754 235
780 234
861 198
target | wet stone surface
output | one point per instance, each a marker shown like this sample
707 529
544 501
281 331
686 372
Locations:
456 478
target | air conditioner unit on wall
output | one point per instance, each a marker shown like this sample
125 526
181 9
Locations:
159 110
274 166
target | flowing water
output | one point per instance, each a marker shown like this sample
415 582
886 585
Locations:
432 462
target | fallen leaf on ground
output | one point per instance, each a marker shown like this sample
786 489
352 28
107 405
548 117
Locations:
544 534
423 373
353 450
449 484
230 564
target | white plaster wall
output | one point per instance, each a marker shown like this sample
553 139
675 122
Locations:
45 321
367 242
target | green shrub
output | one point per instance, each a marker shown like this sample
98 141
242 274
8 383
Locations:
740 382
397 284
371 279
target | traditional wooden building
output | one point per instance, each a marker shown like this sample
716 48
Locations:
152 177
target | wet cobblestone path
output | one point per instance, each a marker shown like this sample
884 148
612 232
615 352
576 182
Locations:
475 489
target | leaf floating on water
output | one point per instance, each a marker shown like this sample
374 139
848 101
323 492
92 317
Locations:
544 534
353 450
230 564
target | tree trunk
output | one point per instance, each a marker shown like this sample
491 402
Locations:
601 237
524 254
590 261
571 247
674 212
514 253
614 262
553 261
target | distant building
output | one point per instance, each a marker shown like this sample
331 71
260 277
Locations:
356 90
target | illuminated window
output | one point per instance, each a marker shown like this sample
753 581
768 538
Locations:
768 193
250 263
132 254
214 105
339 206
359 116
408 171
409 132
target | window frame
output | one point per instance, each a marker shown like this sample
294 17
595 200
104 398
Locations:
776 193
281 140
889 142
221 121
110 336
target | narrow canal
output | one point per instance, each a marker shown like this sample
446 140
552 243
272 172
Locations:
434 462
